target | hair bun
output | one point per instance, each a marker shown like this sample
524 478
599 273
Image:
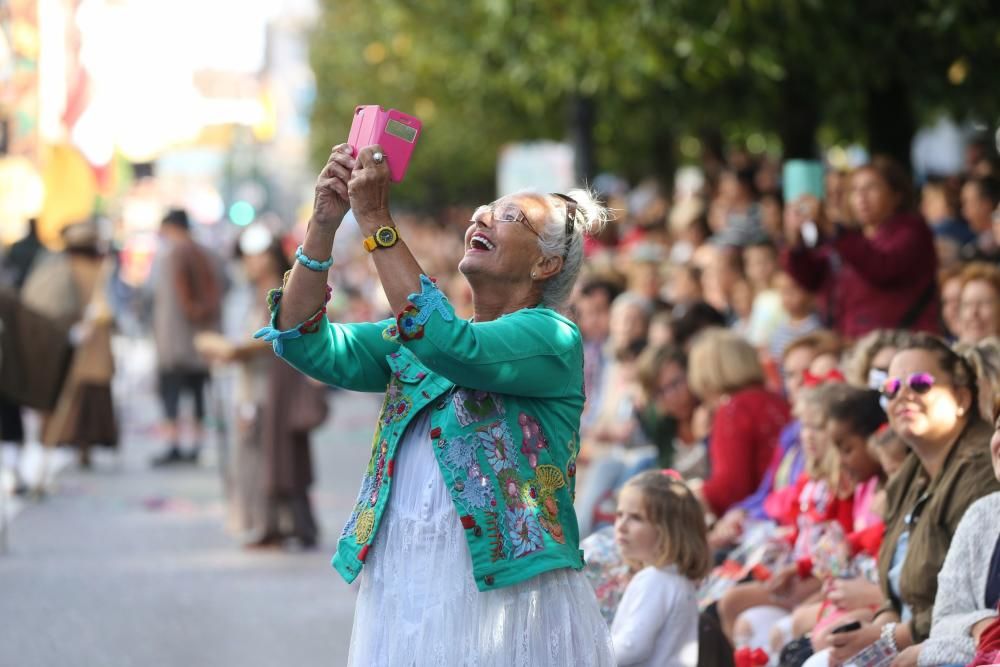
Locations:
591 216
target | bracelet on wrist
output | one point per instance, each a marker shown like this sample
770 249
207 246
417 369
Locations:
889 636
312 264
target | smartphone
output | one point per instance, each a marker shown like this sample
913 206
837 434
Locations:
395 131
847 627
802 177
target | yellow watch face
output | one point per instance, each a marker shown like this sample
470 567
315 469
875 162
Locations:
386 237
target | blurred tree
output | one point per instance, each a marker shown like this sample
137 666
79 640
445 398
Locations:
625 80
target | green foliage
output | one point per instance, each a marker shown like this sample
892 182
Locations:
481 73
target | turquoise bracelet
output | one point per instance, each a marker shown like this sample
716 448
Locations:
312 264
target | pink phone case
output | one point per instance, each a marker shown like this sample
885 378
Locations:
395 131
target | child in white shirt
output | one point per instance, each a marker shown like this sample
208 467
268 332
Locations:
660 531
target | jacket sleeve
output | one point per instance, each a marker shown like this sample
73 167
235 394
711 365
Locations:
350 356
528 353
730 453
808 267
959 602
898 259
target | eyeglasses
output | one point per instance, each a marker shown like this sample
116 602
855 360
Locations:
506 213
918 383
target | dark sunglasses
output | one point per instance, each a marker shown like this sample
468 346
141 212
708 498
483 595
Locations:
918 383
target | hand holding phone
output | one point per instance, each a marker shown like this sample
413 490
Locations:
395 131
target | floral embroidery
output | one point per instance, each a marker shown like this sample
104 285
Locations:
367 483
477 406
524 531
365 525
496 442
529 494
548 517
391 332
271 334
553 528
493 531
430 300
478 493
397 405
460 453
550 477
407 326
510 486
532 438
379 475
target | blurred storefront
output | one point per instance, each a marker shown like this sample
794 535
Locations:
123 108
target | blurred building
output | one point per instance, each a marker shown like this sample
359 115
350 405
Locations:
126 107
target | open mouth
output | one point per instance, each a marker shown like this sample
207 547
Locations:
480 242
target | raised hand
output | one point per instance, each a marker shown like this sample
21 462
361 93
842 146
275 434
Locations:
331 202
369 188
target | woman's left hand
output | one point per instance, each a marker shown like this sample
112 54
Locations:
908 657
368 190
848 644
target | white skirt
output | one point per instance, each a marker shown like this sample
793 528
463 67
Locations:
418 603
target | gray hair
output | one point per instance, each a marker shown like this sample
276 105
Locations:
590 218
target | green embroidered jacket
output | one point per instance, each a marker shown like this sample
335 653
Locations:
505 398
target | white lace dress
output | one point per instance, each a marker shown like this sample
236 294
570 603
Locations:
418 604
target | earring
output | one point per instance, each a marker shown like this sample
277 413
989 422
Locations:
533 276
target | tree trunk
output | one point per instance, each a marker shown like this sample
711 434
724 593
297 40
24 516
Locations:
799 115
889 120
583 115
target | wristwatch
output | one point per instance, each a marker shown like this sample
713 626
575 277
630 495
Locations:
384 237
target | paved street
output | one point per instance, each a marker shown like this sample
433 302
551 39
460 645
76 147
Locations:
126 566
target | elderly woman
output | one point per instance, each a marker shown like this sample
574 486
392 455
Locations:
724 371
464 534
876 270
933 406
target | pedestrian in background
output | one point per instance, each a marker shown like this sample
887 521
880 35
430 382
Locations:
275 409
70 287
187 299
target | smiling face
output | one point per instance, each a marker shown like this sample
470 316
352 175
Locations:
979 311
932 417
635 534
500 245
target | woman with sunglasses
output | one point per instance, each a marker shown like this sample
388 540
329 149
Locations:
464 535
968 585
933 406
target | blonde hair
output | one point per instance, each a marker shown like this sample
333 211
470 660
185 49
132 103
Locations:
984 358
679 520
827 465
867 348
721 362
981 272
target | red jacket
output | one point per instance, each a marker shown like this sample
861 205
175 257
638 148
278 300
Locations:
745 430
872 283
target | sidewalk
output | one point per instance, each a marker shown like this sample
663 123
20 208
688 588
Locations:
127 566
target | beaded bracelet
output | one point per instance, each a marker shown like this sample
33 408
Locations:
312 264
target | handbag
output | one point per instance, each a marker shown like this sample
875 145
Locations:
308 407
